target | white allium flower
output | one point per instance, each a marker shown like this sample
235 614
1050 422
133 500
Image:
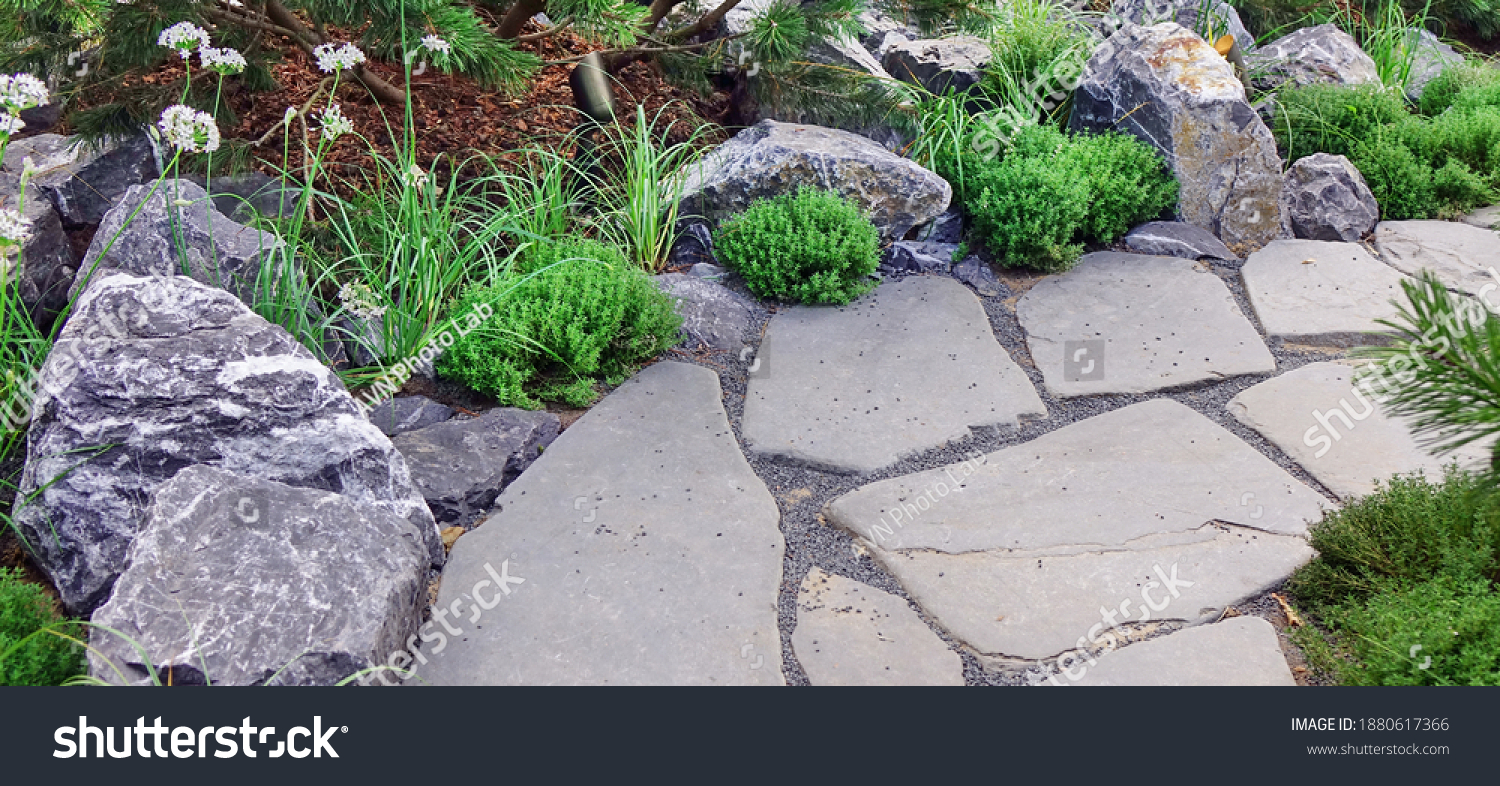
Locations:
189 129
359 300
22 91
335 124
289 115
332 59
14 228
415 177
10 125
436 45
225 61
183 37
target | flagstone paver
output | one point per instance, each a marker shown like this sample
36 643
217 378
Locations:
1462 255
1016 554
1337 431
1237 651
1128 323
907 368
1317 292
649 553
850 633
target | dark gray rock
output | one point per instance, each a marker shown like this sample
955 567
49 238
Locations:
883 31
941 64
164 237
1166 86
1324 53
242 581
1431 58
81 181
1222 18
946 228
1325 198
41 119
909 257
47 262
694 245
978 275
362 339
774 158
152 375
1176 239
407 413
712 314
460 466
246 196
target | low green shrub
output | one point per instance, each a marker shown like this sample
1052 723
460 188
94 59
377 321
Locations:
1445 631
1458 189
1050 192
41 659
574 312
1401 183
811 246
1406 532
1468 85
1333 119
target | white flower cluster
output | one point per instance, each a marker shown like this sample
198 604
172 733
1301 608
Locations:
436 45
415 177
359 300
335 124
21 91
10 125
226 61
14 228
189 130
183 37
333 58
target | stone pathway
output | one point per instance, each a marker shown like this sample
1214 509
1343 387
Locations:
926 487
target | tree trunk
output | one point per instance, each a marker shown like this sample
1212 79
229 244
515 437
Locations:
515 19
384 92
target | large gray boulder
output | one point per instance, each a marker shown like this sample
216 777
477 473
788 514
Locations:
1325 198
1323 53
774 158
1432 56
1217 17
939 64
164 237
713 315
83 181
152 375
235 580
460 466
1166 86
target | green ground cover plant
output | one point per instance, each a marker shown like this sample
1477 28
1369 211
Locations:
569 315
29 653
811 246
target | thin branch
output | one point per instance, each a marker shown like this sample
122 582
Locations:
620 57
708 22
551 31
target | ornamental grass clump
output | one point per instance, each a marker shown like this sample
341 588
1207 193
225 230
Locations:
808 247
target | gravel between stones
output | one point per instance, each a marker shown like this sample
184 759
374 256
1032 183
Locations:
801 493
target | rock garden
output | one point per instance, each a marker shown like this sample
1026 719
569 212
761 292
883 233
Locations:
1016 343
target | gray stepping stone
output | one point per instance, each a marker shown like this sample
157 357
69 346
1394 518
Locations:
1338 433
904 369
1460 254
1176 239
850 633
1485 217
1237 651
650 554
1015 552
1127 323
1318 292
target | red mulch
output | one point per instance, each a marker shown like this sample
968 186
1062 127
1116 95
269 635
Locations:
453 116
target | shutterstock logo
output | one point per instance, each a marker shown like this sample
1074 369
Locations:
186 742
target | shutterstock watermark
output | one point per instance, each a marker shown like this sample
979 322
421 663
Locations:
1376 386
186 742
1101 637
